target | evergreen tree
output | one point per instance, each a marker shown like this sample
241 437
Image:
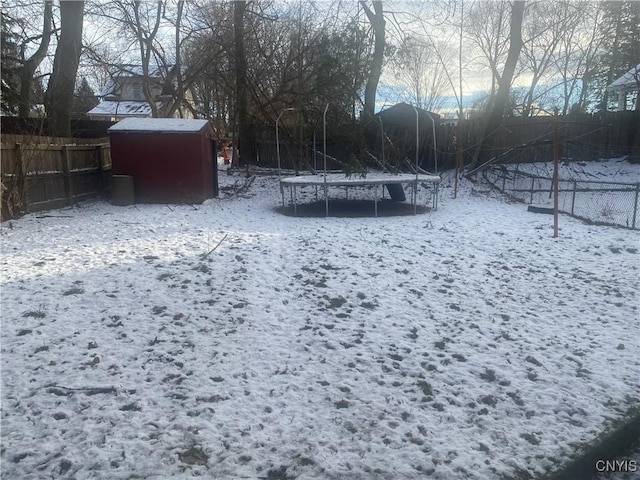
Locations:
620 30
84 99
10 66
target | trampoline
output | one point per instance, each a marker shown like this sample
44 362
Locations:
375 180
393 182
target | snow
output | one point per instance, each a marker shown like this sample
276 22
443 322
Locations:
120 109
373 178
159 125
617 170
225 340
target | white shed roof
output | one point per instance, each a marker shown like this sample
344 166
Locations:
185 125
628 81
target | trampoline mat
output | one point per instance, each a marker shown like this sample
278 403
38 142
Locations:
352 208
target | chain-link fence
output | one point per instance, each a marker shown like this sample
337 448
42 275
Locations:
606 203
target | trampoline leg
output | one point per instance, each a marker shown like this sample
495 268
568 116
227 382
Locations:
375 203
326 201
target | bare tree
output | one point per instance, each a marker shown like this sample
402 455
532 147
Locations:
30 65
548 23
497 110
487 29
377 21
242 114
576 54
146 27
418 65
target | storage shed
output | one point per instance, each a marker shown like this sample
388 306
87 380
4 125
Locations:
171 160
399 124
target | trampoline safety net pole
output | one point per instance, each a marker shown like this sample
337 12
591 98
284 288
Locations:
415 187
435 147
278 149
324 134
278 156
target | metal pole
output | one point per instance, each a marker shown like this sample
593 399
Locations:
278 142
382 137
635 207
457 170
324 133
533 183
278 136
417 137
415 196
556 154
435 150
315 160
376 199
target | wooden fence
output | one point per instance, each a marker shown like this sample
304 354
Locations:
584 137
42 173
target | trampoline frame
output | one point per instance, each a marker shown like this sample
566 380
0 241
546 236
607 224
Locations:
327 180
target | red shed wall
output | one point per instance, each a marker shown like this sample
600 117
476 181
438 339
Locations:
166 167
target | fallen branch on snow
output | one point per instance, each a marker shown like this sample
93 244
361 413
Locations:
205 255
66 391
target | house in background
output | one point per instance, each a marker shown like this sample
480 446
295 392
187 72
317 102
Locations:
625 85
123 95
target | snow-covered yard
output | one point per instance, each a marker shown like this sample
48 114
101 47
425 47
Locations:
227 340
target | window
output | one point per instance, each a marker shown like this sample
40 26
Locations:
137 91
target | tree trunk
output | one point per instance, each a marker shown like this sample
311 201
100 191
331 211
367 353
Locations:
30 65
180 89
496 111
59 96
242 115
376 19
146 46
515 45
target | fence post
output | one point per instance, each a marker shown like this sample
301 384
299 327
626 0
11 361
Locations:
533 179
504 180
635 206
573 199
66 175
22 178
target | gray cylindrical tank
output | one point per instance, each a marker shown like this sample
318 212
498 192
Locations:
122 192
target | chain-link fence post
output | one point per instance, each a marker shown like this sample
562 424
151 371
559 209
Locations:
573 198
635 206
533 179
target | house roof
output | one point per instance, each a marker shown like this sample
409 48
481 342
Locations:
173 125
628 81
404 115
128 108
